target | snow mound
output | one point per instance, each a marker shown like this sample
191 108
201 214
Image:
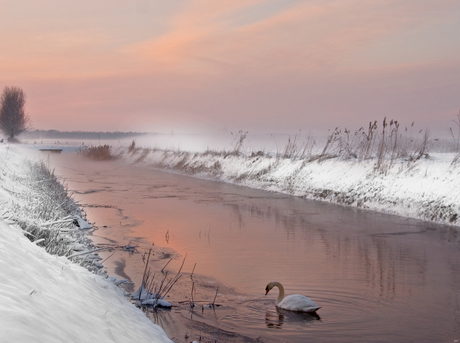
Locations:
46 298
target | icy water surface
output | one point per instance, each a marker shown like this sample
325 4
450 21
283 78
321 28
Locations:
378 278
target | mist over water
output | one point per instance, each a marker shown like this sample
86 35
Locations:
273 142
201 142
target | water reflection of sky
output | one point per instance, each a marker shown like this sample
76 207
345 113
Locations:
363 268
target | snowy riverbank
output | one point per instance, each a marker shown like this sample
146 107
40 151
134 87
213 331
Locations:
48 298
427 188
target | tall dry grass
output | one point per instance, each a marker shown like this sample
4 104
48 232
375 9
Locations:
383 142
47 213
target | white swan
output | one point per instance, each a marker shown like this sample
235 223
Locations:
293 302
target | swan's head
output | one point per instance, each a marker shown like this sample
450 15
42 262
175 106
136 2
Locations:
269 287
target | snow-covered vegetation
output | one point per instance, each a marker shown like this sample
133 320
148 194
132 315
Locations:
52 288
381 168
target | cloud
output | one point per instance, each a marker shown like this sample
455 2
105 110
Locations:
304 37
214 39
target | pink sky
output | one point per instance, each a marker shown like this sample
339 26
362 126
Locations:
219 65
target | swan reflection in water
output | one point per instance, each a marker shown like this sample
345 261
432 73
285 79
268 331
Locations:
276 319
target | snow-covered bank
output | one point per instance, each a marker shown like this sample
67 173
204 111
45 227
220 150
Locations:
48 298
426 188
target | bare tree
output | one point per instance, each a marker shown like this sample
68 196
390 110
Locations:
13 119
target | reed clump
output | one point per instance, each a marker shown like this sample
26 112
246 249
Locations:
98 153
153 290
238 142
385 143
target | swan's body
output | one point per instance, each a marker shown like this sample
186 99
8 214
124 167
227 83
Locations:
294 302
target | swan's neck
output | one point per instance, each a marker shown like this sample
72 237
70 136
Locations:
281 292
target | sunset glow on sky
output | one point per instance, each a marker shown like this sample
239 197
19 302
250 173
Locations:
219 65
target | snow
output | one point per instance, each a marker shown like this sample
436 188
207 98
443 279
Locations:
83 224
427 189
48 298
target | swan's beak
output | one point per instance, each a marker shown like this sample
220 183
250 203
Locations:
266 291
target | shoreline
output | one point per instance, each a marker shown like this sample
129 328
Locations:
60 296
427 189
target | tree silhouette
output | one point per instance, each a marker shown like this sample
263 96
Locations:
13 119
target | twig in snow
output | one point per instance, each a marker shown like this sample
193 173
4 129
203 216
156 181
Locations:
192 303
84 252
215 296
193 270
167 236
108 258
143 276
162 269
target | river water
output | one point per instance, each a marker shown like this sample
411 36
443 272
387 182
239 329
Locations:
378 278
